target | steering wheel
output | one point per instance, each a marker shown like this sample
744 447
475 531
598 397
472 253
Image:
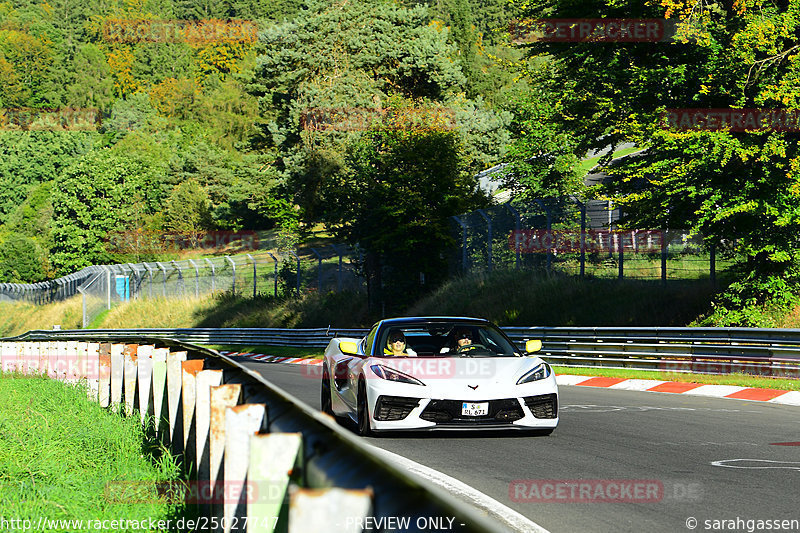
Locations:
468 348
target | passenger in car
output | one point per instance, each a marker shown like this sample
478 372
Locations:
461 337
396 345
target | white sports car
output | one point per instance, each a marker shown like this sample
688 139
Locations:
438 373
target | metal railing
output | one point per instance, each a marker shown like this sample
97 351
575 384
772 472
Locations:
767 352
292 467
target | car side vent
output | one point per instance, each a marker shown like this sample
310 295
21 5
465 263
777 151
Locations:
394 407
544 406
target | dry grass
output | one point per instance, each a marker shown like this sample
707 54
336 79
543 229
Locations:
18 317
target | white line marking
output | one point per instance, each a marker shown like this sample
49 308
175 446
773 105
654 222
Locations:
496 510
795 465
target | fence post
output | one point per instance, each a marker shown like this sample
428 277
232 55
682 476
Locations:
108 288
233 265
713 265
621 244
517 229
549 228
83 308
463 243
298 271
482 213
150 275
196 279
319 270
339 272
163 273
213 272
275 275
583 238
180 277
664 244
255 277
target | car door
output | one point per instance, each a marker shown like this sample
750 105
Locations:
354 369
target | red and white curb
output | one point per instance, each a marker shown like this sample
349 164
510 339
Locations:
647 385
682 387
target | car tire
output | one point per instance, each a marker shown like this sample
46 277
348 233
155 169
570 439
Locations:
364 427
325 392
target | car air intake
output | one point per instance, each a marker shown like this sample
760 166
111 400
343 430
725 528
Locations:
449 412
394 407
544 406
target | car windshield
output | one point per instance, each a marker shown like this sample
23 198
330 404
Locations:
445 339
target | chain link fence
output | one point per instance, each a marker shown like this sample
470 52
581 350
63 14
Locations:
323 269
571 237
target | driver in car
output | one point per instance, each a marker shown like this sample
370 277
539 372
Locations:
396 345
462 337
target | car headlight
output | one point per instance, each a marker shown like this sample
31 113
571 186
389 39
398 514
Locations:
390 374
540 371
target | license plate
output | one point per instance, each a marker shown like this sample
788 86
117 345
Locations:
475 409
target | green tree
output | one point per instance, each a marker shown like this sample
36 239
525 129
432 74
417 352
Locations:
103 194
740 190
21 260
393 197
186 210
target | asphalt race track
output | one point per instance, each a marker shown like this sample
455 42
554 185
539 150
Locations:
690 457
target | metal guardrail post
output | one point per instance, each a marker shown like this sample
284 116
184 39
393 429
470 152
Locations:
275 275
213 274
488 220
255 277
319 269
233 266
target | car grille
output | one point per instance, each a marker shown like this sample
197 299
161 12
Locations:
544 406
394 407
449 411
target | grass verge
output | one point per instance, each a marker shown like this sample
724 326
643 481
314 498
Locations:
738 380
280 351
59 450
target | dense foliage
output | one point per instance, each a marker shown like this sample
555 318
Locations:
738 189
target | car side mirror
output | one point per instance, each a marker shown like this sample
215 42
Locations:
348 348
533 345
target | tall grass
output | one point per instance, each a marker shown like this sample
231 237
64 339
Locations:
18 317
58 451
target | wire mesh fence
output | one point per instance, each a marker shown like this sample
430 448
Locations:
571 237
323 269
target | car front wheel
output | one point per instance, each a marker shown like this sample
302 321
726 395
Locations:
325 392
364 428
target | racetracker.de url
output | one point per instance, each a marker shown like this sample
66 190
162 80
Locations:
146 524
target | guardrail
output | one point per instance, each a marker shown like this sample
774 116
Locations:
257 458
767 352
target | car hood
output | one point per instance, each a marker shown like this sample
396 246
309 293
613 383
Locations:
480 375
